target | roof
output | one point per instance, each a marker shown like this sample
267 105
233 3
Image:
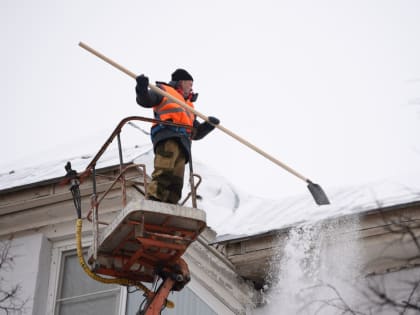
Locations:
256 215
17 178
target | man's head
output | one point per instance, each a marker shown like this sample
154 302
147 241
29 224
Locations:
185 81
181 75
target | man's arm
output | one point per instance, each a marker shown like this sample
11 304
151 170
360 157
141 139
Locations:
203 129
144 96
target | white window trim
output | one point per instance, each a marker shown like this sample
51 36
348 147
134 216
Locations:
214 303
58 249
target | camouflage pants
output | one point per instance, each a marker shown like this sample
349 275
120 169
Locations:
168 175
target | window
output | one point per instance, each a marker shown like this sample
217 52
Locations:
72 292
186 303
75 292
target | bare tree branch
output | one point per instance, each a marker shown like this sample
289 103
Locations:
10 301
408 231
337 302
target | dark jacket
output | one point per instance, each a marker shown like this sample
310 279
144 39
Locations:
161 132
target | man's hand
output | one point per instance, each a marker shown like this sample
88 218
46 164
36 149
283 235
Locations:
142 84
213 120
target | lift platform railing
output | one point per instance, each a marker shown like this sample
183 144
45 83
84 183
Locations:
96 199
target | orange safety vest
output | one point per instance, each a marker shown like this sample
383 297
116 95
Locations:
169 110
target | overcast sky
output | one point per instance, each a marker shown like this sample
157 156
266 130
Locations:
331 88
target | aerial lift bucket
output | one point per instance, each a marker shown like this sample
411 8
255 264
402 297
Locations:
145 237
145 241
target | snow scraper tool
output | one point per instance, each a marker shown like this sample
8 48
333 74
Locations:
317 193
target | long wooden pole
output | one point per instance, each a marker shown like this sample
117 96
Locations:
197 113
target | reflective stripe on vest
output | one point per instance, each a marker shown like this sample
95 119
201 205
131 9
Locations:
169 110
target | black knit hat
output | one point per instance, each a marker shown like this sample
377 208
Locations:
181 74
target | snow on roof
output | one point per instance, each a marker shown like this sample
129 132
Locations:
236 213
256 215
16 177
239 214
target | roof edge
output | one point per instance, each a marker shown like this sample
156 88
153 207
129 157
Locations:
50 181
241 238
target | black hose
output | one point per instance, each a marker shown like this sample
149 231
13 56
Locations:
74 188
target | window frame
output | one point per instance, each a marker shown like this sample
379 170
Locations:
58 251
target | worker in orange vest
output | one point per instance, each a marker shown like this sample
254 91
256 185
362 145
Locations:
172 145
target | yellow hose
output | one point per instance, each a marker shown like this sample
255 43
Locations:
94 276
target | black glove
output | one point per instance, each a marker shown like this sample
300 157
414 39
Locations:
142 84
203 129
213 120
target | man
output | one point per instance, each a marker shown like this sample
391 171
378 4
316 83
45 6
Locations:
172 145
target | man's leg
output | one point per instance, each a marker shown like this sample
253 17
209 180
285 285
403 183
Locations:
168 175
178 177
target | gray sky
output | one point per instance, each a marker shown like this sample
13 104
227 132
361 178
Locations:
331 88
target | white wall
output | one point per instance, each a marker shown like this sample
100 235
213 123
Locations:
32 256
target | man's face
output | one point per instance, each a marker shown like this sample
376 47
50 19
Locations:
186 86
